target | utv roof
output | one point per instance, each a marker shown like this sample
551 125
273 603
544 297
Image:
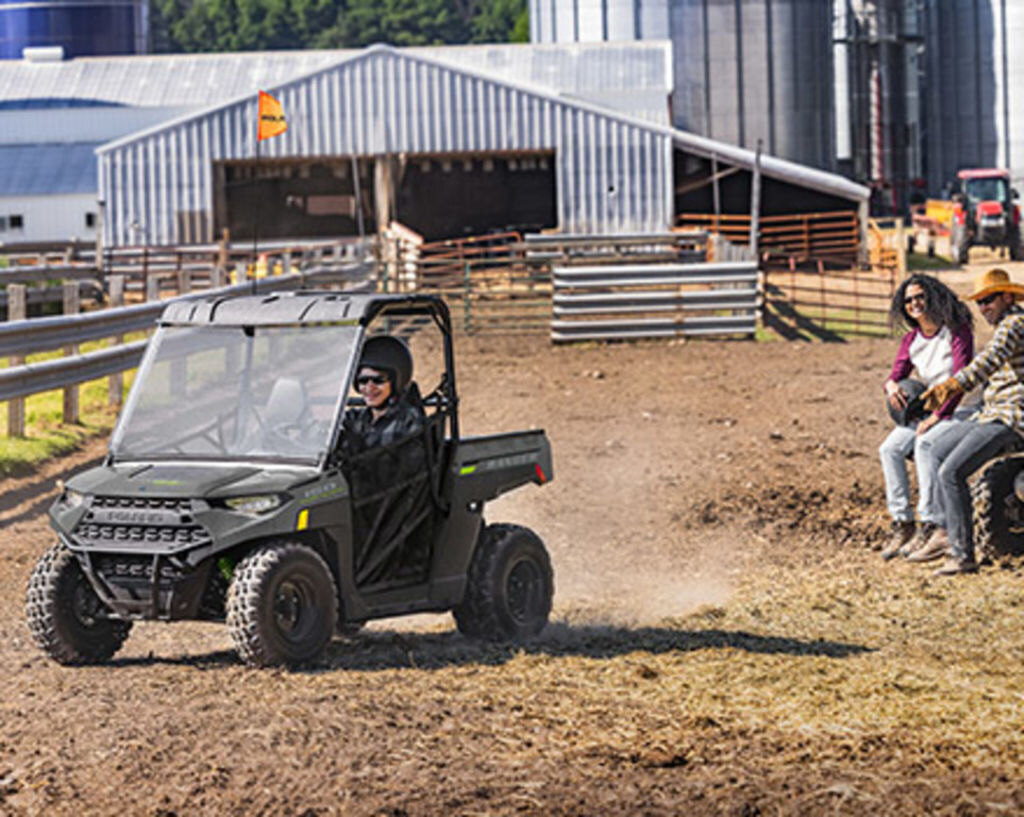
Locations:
296 308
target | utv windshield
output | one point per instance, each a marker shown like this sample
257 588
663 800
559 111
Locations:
991 189
229 392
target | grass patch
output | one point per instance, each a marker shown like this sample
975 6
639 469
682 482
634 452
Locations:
916 262
46 434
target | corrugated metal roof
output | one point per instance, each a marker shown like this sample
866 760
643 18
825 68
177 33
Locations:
634 77
613 173
44 169
781 169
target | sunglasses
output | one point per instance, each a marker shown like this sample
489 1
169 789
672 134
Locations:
376 379
911 298
987 299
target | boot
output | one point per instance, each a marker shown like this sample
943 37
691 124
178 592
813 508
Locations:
902 532
924 533
935 548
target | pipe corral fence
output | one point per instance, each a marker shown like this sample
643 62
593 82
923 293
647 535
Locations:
572 288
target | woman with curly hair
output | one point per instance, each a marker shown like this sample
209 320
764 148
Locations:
940 341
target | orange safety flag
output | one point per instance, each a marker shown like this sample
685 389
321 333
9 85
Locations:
271 117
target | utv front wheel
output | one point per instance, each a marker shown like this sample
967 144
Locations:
66 617
509 587
998 513
281 605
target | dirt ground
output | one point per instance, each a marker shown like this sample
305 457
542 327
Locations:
722 640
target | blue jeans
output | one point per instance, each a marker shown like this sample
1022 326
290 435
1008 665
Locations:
894 451
961 454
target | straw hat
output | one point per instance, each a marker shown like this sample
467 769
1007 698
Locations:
995 280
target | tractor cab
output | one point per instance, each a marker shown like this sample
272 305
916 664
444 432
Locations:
985 213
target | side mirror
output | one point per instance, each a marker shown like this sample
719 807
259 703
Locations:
1013 193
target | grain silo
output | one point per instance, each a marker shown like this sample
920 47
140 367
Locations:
81 27
975 87
746 71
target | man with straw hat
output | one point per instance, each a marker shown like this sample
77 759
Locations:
999 423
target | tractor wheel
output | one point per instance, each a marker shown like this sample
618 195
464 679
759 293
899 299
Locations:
509 587
998 513
66 617
282 605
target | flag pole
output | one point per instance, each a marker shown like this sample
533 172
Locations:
256 215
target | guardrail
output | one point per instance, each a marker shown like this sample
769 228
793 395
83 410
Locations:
24 337
585 297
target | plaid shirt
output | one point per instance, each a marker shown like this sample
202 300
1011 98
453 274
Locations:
1001 364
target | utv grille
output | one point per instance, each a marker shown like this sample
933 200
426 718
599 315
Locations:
124 521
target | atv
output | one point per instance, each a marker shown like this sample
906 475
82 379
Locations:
229 493
997 495
985 214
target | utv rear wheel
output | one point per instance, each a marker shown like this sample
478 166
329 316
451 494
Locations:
998 513
509 587
282 605
66 617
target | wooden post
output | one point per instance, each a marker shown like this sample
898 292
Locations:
714 187
115 388
16 406
755 201
220 270
184 279
71 307
99 236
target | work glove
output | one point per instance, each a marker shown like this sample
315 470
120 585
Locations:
938 394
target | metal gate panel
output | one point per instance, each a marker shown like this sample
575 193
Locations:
705 299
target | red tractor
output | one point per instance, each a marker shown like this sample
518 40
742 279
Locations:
985 214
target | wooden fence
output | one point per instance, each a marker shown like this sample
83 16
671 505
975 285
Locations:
153 272
828 303
503 283
805 236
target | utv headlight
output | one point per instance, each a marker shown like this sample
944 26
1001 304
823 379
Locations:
255 505
73 498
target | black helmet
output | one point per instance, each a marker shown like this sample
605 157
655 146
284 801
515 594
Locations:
389 354
914 409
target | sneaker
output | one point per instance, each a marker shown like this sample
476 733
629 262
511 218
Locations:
936 547
924 533
902 532
954 566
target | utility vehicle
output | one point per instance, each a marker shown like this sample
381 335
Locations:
228 493
985 214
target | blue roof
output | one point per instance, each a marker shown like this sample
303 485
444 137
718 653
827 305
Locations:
42 169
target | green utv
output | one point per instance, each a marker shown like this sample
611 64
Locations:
229 493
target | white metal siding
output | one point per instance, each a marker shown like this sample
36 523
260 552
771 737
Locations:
48 218
612 175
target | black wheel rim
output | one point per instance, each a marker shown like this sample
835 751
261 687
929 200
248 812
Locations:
523 590
85 606
293 602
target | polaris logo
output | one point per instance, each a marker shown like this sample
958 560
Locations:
134 516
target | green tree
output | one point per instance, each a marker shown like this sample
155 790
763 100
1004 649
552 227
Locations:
495 21
399 22
249 25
